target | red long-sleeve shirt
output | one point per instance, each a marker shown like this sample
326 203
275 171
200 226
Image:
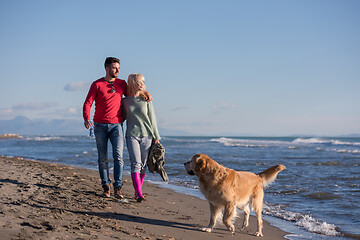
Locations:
107 104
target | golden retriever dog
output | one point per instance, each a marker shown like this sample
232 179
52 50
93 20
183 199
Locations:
227 189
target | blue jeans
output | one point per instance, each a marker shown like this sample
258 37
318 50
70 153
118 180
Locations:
138 148
103 133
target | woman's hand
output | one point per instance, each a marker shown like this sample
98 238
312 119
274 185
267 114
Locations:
157 141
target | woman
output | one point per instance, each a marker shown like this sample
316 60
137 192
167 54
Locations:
141 130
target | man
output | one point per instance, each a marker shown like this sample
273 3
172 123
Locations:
107 93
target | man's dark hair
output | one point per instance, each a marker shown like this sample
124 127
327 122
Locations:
111 60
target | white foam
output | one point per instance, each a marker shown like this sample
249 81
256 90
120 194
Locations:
45 138
310 140
339 150
322 141
305 221
231 142
190 140
317 226
337 142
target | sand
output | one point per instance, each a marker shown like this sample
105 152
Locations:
10 135
41 200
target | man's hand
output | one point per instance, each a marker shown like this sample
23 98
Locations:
147 96
157 141
88 124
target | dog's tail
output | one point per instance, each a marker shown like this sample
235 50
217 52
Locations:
269 175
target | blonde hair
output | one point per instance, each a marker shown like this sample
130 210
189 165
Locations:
135 80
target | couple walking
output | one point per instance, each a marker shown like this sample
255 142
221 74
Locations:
110 112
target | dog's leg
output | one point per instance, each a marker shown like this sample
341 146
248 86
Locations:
246 210
214 213
258 205
260 224
229 213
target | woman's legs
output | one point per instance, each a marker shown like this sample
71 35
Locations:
138 151
145 148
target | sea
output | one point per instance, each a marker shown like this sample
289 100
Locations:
316 197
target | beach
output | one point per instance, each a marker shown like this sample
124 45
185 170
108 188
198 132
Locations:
42 200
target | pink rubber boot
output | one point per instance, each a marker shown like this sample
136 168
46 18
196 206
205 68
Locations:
142 177
137 186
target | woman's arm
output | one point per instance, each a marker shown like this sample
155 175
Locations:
151 114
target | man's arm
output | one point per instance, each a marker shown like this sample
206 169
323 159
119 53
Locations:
87 106
147 96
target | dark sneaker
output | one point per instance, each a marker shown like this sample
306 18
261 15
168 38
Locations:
118 193
106 192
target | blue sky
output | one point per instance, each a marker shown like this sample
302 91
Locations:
214 67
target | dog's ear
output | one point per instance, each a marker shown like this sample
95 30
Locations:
200 163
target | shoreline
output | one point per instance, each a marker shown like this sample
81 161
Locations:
42 200
10 135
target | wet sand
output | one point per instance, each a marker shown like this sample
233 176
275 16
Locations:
41 200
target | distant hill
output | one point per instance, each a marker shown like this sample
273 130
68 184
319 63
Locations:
24 126
353 135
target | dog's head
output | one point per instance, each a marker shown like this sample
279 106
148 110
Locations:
197 164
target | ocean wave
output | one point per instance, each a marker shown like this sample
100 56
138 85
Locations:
324 141
323 196
305 221
338 142
43 138
291 144
353 151
329 163
185 140
232 142
311 140
317 226
289 192
186 183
